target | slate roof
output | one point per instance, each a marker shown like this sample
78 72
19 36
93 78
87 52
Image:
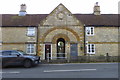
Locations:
35 19
100 20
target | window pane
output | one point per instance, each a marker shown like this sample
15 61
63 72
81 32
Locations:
14 53
32 45
87 30
91 30
6 53
31 31
30 48
89 48
93 48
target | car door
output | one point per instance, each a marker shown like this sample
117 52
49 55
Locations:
6 57
16 58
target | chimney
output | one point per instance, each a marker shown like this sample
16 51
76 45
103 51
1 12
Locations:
96 9
22 11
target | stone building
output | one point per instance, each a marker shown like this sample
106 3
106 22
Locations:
61 33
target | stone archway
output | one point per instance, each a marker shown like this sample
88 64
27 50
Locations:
63 39
64 28
56 37
53 34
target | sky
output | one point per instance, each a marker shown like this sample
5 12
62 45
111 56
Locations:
46 6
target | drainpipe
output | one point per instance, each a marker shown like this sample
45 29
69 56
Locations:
37 41
84 40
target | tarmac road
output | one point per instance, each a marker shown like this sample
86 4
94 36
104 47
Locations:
72 70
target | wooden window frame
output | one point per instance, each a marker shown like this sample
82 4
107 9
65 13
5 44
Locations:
30 49
31 31
91 48
91 31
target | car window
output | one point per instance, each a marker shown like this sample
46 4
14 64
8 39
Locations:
22 53
15 53
6 52
0 53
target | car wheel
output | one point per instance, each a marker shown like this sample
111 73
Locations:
27 63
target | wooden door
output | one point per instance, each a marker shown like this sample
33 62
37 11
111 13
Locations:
47 51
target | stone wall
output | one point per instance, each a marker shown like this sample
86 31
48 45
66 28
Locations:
14 47
87 59
105 40
104 34
61 16
102 49
15 38
16 35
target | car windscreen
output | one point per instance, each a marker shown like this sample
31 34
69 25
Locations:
23 53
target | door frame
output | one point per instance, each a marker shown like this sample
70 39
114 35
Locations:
50 50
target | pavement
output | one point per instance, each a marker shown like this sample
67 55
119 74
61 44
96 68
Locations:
69 70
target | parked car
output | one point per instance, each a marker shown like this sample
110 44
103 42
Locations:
16 57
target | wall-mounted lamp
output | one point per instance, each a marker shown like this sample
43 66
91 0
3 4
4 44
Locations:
86 42
81 46
68 46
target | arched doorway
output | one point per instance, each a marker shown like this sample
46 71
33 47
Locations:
60 48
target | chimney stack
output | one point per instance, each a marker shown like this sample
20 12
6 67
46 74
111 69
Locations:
22 11
96 9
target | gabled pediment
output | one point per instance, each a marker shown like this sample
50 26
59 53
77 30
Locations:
61 16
